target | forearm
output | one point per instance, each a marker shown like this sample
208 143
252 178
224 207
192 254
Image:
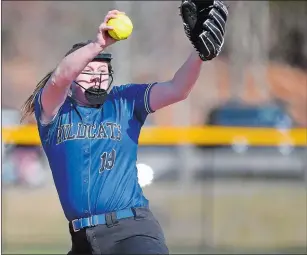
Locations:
178 88
57 87
73 64
187 75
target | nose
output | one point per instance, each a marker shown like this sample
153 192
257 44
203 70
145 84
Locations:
95 78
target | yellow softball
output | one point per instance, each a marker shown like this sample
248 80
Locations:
122 27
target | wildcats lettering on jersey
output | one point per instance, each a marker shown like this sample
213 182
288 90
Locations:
106 130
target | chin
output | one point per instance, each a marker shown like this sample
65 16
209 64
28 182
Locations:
104 87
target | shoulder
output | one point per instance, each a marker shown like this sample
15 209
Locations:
131 89
124 87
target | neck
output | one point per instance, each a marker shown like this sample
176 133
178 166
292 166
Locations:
82 102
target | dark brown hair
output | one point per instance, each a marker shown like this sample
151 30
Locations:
28 107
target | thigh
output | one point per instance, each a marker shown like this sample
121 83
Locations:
80 243
140 245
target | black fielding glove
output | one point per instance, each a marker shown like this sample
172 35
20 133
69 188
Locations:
204 24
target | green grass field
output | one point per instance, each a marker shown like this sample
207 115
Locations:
227 217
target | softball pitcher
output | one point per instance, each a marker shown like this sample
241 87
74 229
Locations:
89 131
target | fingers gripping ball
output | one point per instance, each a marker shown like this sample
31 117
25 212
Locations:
122 27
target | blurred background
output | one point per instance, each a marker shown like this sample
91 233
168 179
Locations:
225 170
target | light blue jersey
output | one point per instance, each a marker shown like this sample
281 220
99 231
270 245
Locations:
92 152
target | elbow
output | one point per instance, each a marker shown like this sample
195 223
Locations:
181 89
185 95
179 96
60 79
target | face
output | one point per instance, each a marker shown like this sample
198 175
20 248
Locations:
93 75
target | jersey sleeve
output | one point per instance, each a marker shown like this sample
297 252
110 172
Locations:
44 129
38 110
139 95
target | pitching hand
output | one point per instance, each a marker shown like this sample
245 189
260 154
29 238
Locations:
103 37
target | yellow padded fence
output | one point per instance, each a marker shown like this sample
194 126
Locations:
207 135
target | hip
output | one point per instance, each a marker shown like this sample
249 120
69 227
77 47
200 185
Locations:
84 207
105 235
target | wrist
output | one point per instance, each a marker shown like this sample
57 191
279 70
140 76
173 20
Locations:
97 47
195 56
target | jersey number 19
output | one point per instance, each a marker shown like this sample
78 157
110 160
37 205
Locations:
107 160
